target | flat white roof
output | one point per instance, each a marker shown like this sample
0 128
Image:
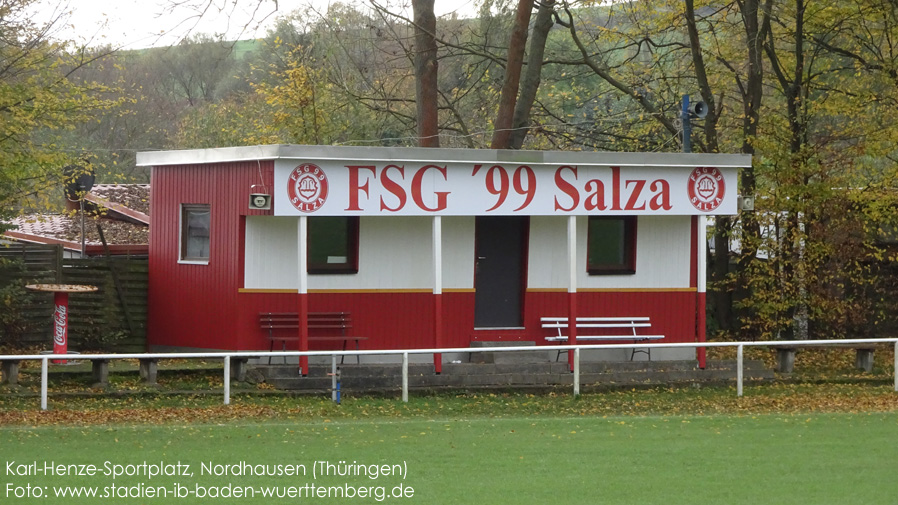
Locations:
435 155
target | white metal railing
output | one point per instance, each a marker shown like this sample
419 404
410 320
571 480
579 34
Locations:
226 356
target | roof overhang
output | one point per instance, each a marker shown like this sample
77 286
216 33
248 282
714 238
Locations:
90 249
420 154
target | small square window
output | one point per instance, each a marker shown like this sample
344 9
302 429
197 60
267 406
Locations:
611 245
195 223
333 245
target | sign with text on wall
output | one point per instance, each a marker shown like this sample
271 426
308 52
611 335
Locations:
382 187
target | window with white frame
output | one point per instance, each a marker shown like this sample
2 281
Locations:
195 223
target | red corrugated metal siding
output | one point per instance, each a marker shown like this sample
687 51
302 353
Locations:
389 320
195 305
672 313
404 320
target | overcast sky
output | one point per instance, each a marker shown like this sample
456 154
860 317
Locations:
134 24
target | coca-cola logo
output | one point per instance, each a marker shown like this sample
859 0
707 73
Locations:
61 319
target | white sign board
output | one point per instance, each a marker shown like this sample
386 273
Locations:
329 187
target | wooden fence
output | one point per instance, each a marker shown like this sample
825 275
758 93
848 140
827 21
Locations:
111 319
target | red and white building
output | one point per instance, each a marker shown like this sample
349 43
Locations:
429 248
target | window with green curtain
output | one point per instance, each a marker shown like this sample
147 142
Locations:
333 245
611 245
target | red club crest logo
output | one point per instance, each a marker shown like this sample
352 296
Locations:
706 188
307 187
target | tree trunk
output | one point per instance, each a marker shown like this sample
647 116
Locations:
516 47
755 20
794 91
426 90
531 79
721 296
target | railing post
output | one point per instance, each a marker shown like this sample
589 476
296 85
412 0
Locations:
576 371
334 378
896 365
405 377
44 362
739 370
227 380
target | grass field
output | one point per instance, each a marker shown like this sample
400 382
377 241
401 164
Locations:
825 435
839 458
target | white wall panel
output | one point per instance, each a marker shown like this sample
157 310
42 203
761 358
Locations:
458 252
547 259
663 246
270 253
394 253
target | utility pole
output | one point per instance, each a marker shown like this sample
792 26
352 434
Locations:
685 117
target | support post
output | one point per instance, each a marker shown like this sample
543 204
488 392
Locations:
303 292
785 359
687 126
44 366
863 359
334 378
238 369
701 285
10 371
149 369
572 286
405 377
896 366
99 369
739 371
227 380
437 292
577 372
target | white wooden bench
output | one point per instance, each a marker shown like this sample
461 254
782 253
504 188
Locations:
606 323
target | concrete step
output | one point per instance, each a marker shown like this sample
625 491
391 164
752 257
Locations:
535 356
388 370
374 378
748 364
